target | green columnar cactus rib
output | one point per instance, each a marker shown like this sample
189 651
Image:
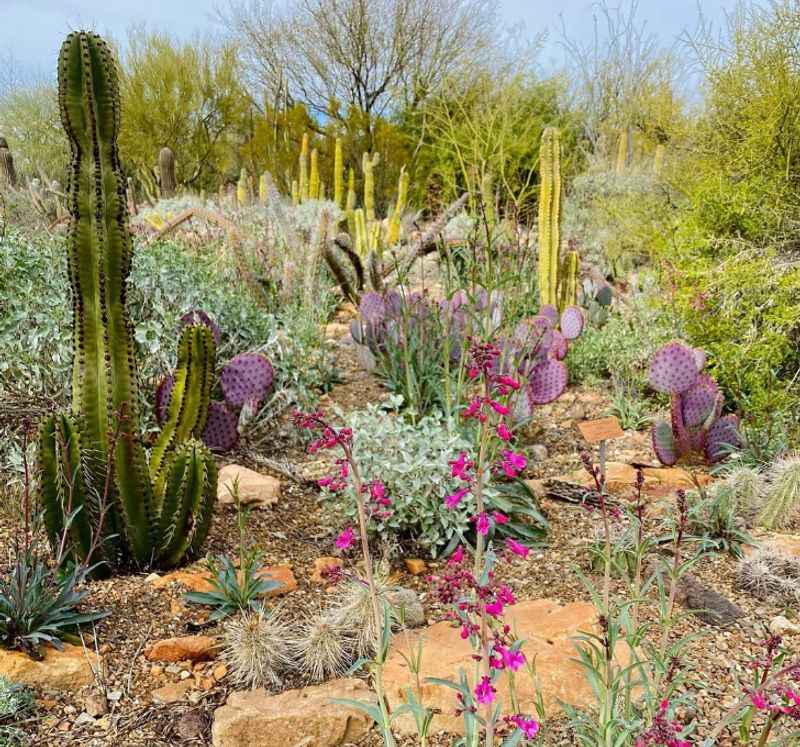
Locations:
549 215
95 456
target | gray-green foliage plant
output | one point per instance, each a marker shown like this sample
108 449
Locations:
16 702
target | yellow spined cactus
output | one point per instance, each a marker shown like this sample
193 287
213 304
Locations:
549 215
362 238
243 189
303 169
313 180
338 174
368 165
393 230
569 280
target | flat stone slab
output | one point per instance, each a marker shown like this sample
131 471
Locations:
307 717
783 544
547 629
255 489
66 670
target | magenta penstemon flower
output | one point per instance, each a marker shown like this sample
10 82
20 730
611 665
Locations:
452 500
517 548
484 691
482 523
528 726
512 464
461 466
502 432
346 539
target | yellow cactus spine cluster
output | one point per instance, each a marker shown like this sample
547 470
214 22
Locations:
549 215
393 229
313 180
338 174
303 165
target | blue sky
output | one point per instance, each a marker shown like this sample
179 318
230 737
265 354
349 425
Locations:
33 29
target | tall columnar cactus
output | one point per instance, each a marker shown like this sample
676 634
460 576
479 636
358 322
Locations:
393 229
166 172
96 482
313 179
8 176
568 280
368 164
303 169
622 152
549 215
697 425
243 189
338 174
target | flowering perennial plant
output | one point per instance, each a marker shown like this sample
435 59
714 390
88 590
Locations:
477 600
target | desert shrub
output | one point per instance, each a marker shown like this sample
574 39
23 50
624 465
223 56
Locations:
617 219
622 347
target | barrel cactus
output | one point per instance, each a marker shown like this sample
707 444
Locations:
166 172
697 425
99 491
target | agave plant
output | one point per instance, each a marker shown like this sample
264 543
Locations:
697 425
38 607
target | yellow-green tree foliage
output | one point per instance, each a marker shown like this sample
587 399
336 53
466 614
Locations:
186 95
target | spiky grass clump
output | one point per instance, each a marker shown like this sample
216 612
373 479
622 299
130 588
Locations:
323 647
782 500
352 611
742 492
771 576
255 648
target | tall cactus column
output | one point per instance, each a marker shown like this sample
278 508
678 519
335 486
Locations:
94 460
549 215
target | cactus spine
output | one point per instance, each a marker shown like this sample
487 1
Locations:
303 167
338 174
166 172
8 176
549 215
95 477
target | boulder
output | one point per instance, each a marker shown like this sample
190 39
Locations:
171 693
658 481
66 670
254 718
255 489
415 566
320 564
185 648
547 630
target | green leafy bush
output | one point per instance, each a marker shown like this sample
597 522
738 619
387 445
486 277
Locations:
412 462
16 702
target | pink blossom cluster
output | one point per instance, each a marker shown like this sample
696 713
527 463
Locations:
663 732
376 501
781 696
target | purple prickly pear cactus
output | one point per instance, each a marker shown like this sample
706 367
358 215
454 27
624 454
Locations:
198 316
695 426
246 378
571 323
372 308
163 394
548 380
548 311
673 369
221 432
560 346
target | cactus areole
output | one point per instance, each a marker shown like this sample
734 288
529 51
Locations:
99 490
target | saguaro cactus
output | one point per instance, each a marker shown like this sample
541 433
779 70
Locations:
313 179
393 230
8 176
96 482
303 169
549 215
166 172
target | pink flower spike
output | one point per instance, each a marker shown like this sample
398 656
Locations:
473 408
459 467
517 548
528 726
507 381
505 595
346 539
498 408
484 692
503 433
758 700
452 500
324 482
495 609
513 659
481 523
457 556
499 518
